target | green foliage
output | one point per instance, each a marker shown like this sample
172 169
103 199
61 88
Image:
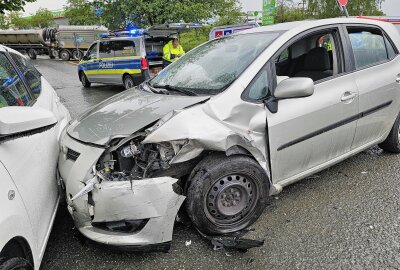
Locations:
144 13
289 10
13 5
4 23
194 38
79 12
42 18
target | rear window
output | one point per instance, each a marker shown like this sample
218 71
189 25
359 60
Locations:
123 48
369 46
213 66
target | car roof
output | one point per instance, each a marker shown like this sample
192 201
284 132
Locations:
7 49
289 26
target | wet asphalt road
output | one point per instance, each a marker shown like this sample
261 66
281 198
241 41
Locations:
346 217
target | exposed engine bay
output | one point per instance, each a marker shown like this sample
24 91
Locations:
129 160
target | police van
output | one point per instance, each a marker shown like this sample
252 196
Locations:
127 57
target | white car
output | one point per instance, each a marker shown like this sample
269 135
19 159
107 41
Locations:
31 121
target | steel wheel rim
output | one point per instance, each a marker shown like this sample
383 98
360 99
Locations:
231 199
128 83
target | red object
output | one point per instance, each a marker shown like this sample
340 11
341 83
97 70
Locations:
343 3
19 101
219 34
145 64
393 21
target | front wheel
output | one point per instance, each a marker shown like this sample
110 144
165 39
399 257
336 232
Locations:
128 81
15 264
32 54
226 194
84 80
392 142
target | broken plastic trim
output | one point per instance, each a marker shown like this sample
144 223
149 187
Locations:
233 240
89 185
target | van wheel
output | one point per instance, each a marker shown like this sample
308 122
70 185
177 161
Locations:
392 142
84 80
15 263
32 54
226 194
128 82
65 55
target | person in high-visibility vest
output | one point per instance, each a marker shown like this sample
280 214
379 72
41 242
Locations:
172 51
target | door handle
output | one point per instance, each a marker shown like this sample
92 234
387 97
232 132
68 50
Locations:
348 96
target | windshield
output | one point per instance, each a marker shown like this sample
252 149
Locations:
212 67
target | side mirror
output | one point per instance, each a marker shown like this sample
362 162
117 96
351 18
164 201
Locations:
18 122
86 57
294 88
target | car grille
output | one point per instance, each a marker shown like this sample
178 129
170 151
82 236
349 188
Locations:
72 155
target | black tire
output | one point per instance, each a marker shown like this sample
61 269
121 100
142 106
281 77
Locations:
32 54
53 53
392 142
84 80
15 264
65 55
226 194
77 55
128 81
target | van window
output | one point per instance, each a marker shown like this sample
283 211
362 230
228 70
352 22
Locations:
123 48
105 50
368 46
92 51
31 74
12 89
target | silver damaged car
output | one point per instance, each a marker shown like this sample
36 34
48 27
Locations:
229 124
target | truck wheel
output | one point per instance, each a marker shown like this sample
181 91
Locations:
392 142
226 194
15 263
53 53
77 54
65 55
32 54
128 81
84 80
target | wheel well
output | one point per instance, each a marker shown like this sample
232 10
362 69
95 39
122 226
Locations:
17 247
125 74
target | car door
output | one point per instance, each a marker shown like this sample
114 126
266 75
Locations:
377 70
306 133
106 72
91 63
30 160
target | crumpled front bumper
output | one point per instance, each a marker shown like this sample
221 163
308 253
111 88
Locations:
152 200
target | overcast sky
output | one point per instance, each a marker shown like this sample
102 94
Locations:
390 7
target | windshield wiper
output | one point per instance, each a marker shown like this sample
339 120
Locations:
175 89
156 89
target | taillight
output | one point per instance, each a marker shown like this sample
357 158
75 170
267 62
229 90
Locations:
145 64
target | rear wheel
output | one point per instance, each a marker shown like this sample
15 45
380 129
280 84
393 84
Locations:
32 53
15 264
128 81
226 194
84 80
392 142
77 55
65 55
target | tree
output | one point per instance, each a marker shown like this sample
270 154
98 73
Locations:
144 13
13 5
4 22
16 20
42 18
79 12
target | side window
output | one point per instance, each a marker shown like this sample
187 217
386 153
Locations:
391 51
124 48
317 56
31 74
12 89
283 56
258 88
105 49
368 46
92 51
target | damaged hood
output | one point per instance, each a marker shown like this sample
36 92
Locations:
126 113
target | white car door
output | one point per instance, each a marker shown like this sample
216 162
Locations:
30 156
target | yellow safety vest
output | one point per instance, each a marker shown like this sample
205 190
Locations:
171 53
